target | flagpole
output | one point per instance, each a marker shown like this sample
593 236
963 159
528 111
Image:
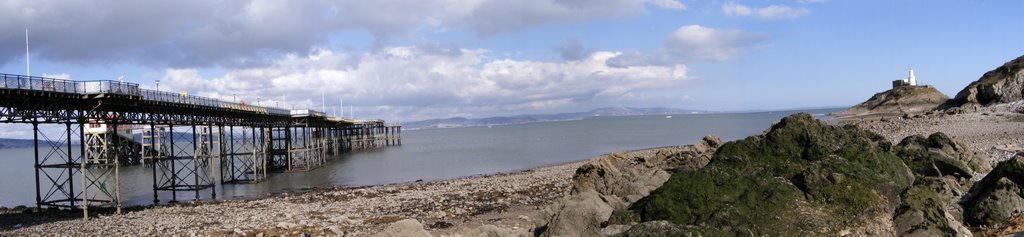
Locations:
28 68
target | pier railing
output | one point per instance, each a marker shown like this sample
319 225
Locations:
21 82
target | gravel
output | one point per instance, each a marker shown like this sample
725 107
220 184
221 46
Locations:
336 211
997 131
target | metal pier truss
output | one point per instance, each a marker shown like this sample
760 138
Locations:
84 131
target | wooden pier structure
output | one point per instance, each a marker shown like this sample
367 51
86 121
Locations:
84 131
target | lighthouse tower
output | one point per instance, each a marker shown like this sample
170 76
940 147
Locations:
911 80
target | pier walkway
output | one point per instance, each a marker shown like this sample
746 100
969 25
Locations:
84 131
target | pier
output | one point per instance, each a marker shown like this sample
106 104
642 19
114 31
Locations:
84 131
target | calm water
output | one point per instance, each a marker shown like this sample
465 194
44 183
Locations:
442 154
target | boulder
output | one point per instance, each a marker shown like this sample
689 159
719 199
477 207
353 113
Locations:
922 214
998 196
690 158
632 175
1003 84
801 177
653 229
404 228
494 231
612 182
581 214
620 175
940 155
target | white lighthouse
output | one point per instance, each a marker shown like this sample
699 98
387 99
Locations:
911 80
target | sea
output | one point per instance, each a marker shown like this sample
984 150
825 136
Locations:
439 154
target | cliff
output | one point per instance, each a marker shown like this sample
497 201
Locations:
1001 85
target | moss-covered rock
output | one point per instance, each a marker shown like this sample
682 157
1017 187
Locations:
801 177
939 155
922 214
999 196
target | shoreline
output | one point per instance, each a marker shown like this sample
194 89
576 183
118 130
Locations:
330 210
510 200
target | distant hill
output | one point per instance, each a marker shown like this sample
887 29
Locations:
459 122
15 143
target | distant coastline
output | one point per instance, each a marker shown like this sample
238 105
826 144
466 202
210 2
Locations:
462 122
6 143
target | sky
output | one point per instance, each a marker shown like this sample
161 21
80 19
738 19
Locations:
423 59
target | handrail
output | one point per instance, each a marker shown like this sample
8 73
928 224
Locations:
11 81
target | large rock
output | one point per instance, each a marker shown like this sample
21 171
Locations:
998 196
404 228
1001 85
690 158
943 168
494 231
801 177
610 183
628 177
899 100
939 155
923 214
632 175
653 229
581 214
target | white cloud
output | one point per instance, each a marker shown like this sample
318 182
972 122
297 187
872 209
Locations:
57 75
773 12
733 9
695 43
668 4
707 43
198 33
412 83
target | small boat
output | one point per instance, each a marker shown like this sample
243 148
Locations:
668 116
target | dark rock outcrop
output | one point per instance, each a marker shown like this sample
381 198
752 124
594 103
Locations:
938 155
999 196
900 100
924 213
801 177
607 185
1001 85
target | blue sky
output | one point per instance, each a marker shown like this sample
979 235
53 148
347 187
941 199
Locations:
412 60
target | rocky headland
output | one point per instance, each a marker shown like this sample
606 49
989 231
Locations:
899 101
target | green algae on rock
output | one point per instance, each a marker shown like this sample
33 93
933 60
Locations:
999 196
801 177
